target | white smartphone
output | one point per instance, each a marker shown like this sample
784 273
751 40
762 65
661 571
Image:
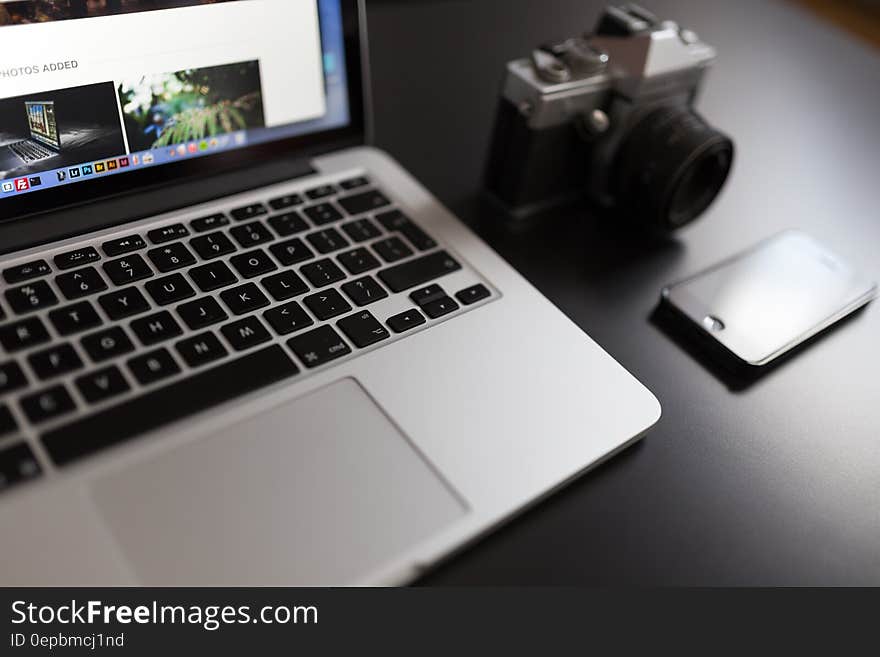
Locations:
762 303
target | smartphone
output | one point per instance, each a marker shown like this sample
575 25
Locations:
764 302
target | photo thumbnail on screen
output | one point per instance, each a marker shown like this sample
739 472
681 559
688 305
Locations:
22 12
53 129
172 108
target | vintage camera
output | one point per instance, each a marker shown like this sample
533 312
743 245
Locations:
610 116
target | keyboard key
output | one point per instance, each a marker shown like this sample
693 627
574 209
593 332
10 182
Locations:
127 270
30 297
7 426
168 233
123 245
322 272
318 346
171 257
245 333
321 192
47 404
472 294
439 307
396 221
253 263
291 252
249 212
171 289
251 234
392 249
288 223
2 313
165 405
153 366
83 256
353 183
427 294
244 298
201 313
55 361
364 290
421 270
204 224
363 202
26 271
74 318
11 377
406 320
107 344
322 213
363 329
80 283
212 245
17 465
212 276
288 318
286 201
102 384
357 261
327 240
284 285
22 335
361 230
201 349
156 328
327 304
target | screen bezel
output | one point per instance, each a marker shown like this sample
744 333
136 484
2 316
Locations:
67 196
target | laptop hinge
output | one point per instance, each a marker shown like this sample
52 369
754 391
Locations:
67 222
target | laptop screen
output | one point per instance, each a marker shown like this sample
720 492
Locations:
118 86
41 120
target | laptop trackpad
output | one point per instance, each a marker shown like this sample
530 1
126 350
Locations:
319 491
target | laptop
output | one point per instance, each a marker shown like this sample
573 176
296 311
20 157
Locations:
269 356
43 133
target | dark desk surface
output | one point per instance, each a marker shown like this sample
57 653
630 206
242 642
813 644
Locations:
778 483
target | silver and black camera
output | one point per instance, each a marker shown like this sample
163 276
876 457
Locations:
610 116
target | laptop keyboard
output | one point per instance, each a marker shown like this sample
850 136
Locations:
30 151
111 340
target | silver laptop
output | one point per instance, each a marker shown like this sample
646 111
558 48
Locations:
265 354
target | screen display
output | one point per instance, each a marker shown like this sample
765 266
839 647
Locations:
769 298
95 88
41 119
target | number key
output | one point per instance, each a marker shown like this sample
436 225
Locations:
80 283
251 234
212 245
127 270
171 257
30 297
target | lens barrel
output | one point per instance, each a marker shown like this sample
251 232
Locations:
670 167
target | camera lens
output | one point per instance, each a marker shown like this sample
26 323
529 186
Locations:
671 166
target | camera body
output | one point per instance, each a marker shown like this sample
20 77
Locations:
610 116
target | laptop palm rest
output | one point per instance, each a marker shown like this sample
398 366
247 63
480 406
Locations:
317 491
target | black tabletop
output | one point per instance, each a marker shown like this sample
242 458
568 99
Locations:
777 482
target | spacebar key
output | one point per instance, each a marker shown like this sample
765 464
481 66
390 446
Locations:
421 270
165 405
